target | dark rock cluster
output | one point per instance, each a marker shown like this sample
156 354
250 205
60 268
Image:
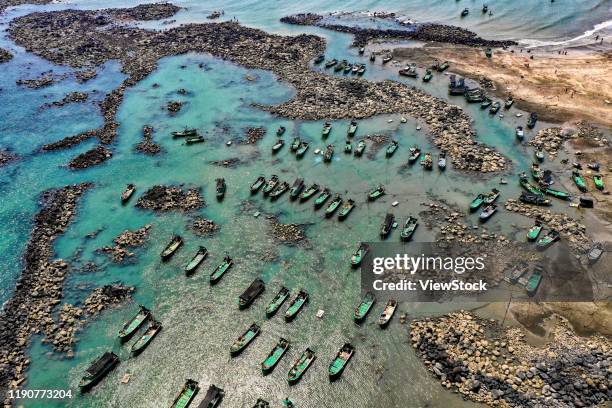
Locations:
72 97
92 157
69 141
254 134
203 227
36 83
147 145
126 240
6 157
5 56
170 198
174 106
288 234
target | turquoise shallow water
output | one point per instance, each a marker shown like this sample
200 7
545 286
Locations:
201 322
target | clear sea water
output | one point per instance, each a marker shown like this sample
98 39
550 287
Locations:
201 322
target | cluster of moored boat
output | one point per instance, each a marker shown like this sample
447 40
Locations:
190 135
343 66
487 201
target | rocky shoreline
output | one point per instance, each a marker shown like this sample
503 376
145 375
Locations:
40 286
126 240
147 145
170 198
552 139
69 141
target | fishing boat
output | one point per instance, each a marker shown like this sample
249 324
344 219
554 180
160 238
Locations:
326 129
495 107
378 192
372 57
415 153
302 150
598 180
98 370
524 182
148 336
171 248
534 282
536 172
442 161
457 88
346 209
245 339
465 12
362 69
492 196
485 8
593 166
509 102
277 302
563 195
487 212
595 252
213 397
220 270
352 129
340 361
534 231
427 162
196 260
331 63
485 103
300 366
132 325
260 403
348 146
387 58
392 148
295 144
409 71
579 181
410 226
358 255
477 202
319 59
279 190
361 50
279 350
348 68
258 184
296 305
194 139
278 145
360 148
329 153
539 155
489 53
533 118
443 67
428 75
474 95
309 192
251 293
220 188
297 188
355 69
333 206
322 198
586 202
547 240
186 395
280 131
535 199
127 193
184 133
271 184
387 225
341 66
364 307
387 313
520 133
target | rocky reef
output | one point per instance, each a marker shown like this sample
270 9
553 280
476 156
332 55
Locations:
6 157
147 145
72 97
92 157
170 198
69 141
126 240
203 227
5 56
287 234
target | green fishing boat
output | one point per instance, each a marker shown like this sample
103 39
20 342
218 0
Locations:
194 139
267 366
563 195
327 127
533 118
428 75
196 260
277 302
531 188
579 181
309 192
492 196
278 145
295 144
98 370
477 202
485 103
534 231
547 240
301 151
409 227
536 172
376 193
258 184
220 270
296 305
132 325
186 395
536 199
184 133
358 255
243 341
346 209
348 147
364 307
300 366
148 336
598 180
392 148
352 129
322 198
271 184
443 67
328 154
280 131
360 148
171 248
339 363
333 206
534 282
280 189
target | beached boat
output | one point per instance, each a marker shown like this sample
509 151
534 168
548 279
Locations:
534 231
299 153
456 88
194 139
598 180
277 302
174 244
360 148
372 57
563 195
271 184
251 293
409 71
245 339
261 403
465 12
309 192
410 226
132 325
536 171
327 127
487 212
213 397
148 336
474 95
185 132
391 148
492 196
333 206
535 199
387 58
346 209
328 154
387 225
415 153
428 75
547 240
127 193
485 103
579 181
387 313
220 270
196 260
280 189
301 366
98 370
495 107
319 59
186 395
442 161
595 252
509 102
533 118
258 184
322 198
534 282
339 363
295 145
352 129
348 146
531 188
296 305
278 145
220 188
279 350
443 67
362 69
378 192
477 202
520 133
297 188
331 63
427 161
364 307
280 131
